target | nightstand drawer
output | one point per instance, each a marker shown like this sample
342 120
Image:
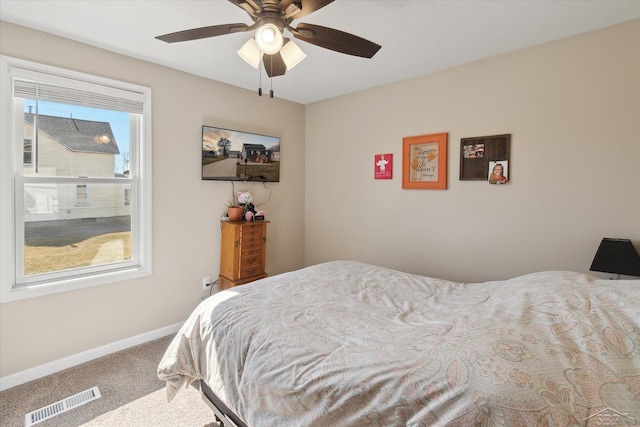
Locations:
247 250
250 240
251 233
250 271
250 260
250 249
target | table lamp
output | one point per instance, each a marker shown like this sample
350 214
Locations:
616 256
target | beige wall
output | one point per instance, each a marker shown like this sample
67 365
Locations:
572 108
186 240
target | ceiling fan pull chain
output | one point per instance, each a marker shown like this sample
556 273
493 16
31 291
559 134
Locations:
268 67
260 79
271 79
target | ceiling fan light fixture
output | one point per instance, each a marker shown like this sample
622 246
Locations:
291 54
269 38
251 53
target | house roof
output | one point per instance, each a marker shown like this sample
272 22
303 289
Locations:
78 135
253 147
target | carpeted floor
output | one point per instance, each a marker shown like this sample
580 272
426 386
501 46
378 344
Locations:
132 394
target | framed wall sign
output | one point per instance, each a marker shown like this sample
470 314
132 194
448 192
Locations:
383 166
479 156
424 162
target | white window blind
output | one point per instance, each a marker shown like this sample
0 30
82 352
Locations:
124 101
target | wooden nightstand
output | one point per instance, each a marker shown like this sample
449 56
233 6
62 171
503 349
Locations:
242 252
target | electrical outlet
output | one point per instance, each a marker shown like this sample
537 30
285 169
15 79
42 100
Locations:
206 283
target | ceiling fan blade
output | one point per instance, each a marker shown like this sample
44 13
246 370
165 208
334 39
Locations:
249 6
305 6
336 40
204 32
274 65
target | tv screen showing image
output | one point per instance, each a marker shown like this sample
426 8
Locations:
231 155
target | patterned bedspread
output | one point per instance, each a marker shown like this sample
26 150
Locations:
351 344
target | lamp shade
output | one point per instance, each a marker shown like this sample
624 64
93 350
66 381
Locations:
251 53
616 256
291 54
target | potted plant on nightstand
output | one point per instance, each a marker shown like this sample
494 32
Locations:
234 211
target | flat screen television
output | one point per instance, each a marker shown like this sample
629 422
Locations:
231 155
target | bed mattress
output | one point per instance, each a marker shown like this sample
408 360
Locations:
351 344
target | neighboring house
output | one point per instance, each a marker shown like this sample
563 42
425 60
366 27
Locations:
73 148
274 153
256 153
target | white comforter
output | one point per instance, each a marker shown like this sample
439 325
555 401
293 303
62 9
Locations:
350 344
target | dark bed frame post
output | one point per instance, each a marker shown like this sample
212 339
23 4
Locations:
222 413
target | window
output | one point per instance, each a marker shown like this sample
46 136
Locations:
71 145
28 152
82 198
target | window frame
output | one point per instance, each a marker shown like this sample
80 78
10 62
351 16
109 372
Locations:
11 177
85 194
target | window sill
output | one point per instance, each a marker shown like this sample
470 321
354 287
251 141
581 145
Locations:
71 283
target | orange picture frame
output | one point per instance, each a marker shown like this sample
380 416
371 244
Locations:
424 162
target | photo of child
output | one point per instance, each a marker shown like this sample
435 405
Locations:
498 172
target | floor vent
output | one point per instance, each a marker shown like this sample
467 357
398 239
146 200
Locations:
64 405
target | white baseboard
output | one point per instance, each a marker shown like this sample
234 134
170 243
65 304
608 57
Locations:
77 359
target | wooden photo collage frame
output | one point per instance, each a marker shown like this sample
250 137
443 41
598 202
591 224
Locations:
481 156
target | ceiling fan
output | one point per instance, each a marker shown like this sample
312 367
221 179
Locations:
270 19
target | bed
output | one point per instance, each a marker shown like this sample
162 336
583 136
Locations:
350 344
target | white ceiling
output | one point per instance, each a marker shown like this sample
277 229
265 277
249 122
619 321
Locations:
417 37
